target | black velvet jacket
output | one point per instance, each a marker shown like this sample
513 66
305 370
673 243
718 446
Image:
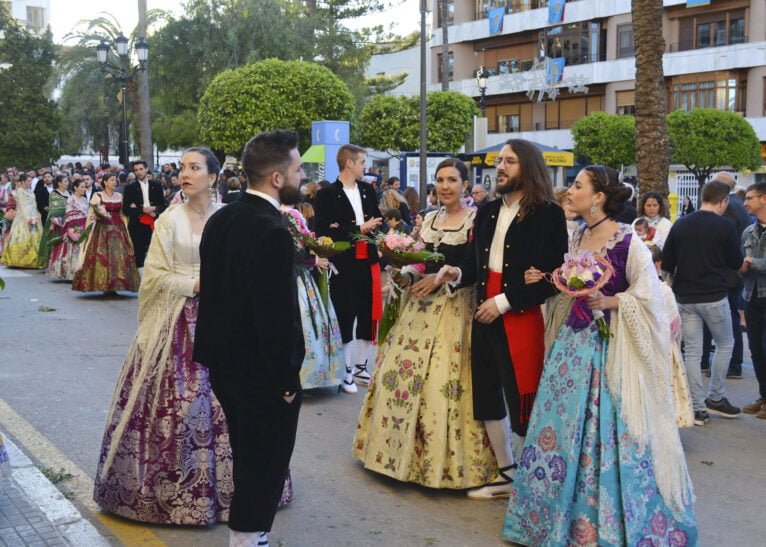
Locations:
537 239
249 330
333 207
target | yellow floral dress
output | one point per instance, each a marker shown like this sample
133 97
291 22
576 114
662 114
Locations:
25 233
416 423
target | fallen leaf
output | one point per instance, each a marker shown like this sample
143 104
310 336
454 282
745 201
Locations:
45 308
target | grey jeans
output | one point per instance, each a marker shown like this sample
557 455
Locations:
717 317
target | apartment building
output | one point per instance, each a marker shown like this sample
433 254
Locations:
33 13
715 57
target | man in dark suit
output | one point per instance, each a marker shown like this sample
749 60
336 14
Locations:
249 331
142 203
345 209
43 190
523 229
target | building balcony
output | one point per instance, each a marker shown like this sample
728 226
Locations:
537 18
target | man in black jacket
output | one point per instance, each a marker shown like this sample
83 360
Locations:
345 209
525 228
43 190
699 251
249 332
142 203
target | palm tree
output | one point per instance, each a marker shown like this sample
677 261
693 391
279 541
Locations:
652 155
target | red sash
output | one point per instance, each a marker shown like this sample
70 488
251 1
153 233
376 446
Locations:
524 332
148 220
362 253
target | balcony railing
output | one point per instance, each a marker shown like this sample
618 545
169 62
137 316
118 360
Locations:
513 66
514 6
688 46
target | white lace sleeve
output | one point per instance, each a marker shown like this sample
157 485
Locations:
638 375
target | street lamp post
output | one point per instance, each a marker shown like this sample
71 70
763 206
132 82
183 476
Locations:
481 79
123 72
423 187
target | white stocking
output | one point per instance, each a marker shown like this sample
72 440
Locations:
247 539
499 432
362 347
348 354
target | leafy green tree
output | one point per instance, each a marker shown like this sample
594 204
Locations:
392 123
704 139
606 139
30 119
268 95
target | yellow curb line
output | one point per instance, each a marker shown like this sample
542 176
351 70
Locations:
81 485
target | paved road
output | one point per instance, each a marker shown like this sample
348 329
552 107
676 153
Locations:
57 374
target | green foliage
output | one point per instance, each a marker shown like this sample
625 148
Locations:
705 138
606 139
393 123
30 120
268 95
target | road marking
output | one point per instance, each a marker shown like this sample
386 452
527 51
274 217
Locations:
81 485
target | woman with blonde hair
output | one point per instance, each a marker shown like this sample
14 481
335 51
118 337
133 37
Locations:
394 200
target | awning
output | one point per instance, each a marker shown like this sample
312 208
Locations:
315 154
552 156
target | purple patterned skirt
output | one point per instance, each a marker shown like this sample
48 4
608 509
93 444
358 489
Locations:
173 462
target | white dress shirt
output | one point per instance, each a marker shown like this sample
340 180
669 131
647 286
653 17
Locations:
144 184
265 196
355 197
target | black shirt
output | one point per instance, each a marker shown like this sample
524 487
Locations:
700 250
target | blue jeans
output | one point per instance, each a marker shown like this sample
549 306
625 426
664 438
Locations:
717 317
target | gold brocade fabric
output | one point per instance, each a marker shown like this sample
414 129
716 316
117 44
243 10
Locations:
416 423
23 238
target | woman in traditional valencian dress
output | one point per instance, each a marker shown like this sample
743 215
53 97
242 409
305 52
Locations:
165 456
323 365
603 462
416 423
56 209
66 255
107 263
24 236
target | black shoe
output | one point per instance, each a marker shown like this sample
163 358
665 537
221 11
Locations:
701 417
734 376
706 372
722 408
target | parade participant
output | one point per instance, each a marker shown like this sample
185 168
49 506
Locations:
603 462
523 229
168 463
249 334
417 423
106 263
142 203
652 207
323 365
754 273
26 230
66 255
43 188
345 209
698 253
56 209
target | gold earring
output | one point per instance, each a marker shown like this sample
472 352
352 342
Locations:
594 209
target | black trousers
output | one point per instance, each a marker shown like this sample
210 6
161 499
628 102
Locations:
140 236
262 427
755 313
494 382
351 293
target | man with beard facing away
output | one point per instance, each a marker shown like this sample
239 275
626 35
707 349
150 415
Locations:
249 331
524 228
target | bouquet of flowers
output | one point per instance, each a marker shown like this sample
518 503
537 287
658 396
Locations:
581 275
400 250
323 247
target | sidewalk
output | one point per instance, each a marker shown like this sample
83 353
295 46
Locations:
33 512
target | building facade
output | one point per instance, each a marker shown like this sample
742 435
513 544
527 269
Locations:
33 13
715 57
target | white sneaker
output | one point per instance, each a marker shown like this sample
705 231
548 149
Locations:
498 489
348 385
361 376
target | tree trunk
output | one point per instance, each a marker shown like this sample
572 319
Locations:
652 154
145 108
445 44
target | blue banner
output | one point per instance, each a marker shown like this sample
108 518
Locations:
496 16
556 11
695 3
554 70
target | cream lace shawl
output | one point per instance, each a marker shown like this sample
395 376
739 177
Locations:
161 299
638 372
